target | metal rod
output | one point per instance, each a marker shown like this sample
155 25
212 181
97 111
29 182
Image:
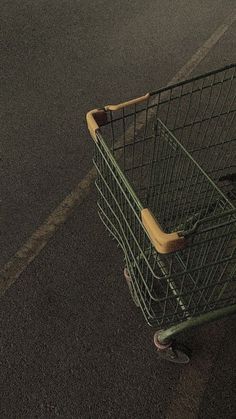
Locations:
165 335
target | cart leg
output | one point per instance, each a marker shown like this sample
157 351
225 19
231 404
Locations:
170 350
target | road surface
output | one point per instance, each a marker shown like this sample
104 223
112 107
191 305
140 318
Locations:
72 343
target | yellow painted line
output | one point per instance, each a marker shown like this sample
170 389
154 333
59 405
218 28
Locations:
201 53
189 392
33 246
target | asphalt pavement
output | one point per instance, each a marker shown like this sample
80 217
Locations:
73 345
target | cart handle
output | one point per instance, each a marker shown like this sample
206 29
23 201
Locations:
163 242
128 103
94 119
98 117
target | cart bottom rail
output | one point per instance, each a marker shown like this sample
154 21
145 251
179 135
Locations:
164 336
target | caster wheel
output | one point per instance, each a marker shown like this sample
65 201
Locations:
174 355
174 352
131 287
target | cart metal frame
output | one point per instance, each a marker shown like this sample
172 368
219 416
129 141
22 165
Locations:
169 207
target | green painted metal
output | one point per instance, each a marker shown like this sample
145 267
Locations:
175 155
165 336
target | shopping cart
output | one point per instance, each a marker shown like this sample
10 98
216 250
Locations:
166 186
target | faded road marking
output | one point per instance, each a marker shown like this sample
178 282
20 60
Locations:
33 246
201 53
189 392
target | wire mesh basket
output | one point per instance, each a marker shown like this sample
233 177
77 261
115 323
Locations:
166 186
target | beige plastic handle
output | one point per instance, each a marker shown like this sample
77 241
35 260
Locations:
98 117
163 242
128 103
94 119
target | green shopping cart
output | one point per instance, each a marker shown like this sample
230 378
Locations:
166 192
